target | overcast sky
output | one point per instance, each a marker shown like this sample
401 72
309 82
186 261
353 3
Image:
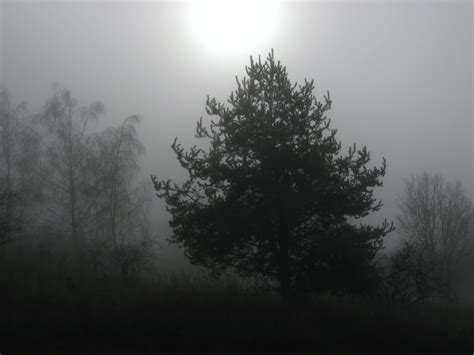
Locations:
399 73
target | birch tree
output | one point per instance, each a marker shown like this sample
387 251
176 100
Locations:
437 218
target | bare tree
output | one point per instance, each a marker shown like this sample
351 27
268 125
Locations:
437 219
123 204
406 278
11 220
70 162
18 157
91 184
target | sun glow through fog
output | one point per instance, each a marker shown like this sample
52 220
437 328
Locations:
231 26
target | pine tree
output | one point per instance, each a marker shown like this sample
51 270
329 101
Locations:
273 196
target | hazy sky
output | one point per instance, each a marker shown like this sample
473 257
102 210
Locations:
399 73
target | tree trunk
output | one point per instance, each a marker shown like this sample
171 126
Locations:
283 256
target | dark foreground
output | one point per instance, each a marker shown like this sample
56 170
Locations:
148 318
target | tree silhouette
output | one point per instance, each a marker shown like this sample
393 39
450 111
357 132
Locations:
19 189
272 196
406 277
437 220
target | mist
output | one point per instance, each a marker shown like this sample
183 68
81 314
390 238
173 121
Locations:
399 76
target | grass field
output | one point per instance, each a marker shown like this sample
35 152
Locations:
189 313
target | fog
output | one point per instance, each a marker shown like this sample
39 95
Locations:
399 73
400 77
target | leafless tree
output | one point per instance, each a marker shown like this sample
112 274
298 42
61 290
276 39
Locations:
123 202
437 220
70 163
11 220
18 157
86 178
406 278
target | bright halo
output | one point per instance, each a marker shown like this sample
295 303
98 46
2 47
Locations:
232 26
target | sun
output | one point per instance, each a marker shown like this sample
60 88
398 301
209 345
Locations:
229 27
